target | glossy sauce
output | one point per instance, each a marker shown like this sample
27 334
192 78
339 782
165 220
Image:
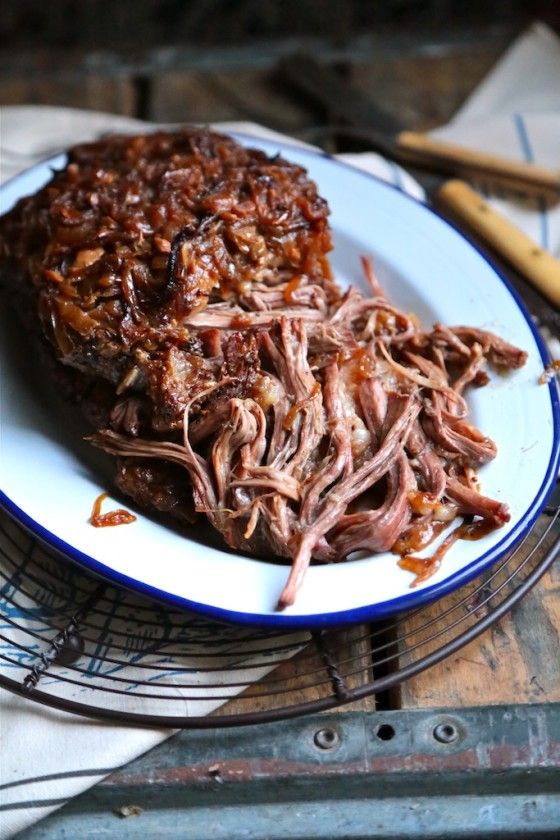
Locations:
423 503
291 287
240 322
425 567
385 323
358 362
113 517
418 537
549 371
295 409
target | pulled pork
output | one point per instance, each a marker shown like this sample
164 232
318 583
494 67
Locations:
185 278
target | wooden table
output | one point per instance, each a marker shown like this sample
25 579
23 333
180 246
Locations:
501 693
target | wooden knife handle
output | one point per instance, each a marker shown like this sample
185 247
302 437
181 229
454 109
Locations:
423 149
533 262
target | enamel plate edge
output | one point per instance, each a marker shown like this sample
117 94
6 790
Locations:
425 266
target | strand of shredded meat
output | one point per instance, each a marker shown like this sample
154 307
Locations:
185 279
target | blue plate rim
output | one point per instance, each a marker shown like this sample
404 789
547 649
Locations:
357 615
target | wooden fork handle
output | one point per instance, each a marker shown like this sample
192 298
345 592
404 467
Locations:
537 265
420 148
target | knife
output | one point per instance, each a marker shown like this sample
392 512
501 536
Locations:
452 197
358 116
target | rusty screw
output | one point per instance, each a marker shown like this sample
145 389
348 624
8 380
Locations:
446 733
326 739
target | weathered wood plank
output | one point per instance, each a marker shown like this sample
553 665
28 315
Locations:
236 95
102 93
422 91
516 660
349 649
274 781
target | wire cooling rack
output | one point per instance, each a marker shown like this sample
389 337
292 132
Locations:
72 642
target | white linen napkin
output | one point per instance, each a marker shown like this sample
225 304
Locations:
49 756
516 111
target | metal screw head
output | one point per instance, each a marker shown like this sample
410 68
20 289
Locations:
446 733
326 739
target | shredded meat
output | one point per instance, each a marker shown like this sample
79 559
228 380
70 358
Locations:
183 282
140 242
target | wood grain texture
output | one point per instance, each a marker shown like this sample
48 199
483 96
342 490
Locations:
516 661
273 781
423 91
227 95
348 648
115 95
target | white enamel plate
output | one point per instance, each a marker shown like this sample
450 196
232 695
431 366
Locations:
50 477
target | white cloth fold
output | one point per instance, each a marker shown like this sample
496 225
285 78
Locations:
154 652
516 111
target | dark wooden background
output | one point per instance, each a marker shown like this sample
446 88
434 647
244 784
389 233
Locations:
207 60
